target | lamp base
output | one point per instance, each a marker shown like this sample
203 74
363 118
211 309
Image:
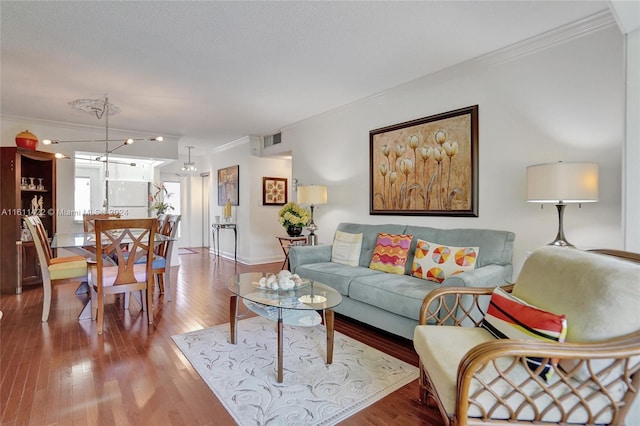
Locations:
312 239
561 243
560 240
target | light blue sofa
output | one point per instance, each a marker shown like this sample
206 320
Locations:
391 302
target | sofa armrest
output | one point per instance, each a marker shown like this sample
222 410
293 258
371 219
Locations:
444 305
611 382
486 276
302 255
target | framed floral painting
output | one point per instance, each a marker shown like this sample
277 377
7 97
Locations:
274 191
426 167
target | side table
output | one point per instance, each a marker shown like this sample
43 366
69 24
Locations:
216 238
286 243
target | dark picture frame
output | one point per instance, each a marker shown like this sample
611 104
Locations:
426 167
274 191
229 185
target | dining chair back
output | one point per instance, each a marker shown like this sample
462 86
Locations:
162 220
162 259
129 240
54 270
89 219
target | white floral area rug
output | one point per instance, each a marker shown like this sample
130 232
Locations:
244 376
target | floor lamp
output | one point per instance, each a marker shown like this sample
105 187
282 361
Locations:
313 195
561 184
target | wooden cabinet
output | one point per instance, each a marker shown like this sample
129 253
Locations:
18 198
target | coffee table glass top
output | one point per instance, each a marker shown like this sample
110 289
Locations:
314 296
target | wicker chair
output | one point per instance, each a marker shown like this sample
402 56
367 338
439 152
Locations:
475 379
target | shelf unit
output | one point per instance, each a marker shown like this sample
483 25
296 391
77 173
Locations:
18 259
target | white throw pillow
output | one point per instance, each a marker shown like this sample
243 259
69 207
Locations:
436 262
346 248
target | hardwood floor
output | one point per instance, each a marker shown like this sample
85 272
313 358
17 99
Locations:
62 373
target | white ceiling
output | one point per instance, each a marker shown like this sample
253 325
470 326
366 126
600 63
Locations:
217 71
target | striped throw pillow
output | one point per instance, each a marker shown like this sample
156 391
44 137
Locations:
509 317
391 252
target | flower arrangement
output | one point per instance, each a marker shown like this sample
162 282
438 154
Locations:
158 201
292 214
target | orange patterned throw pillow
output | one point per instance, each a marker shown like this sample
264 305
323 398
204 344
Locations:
437 262
390 254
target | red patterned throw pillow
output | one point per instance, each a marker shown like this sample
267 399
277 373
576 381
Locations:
391 252
511 318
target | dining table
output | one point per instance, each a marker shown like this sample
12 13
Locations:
80 243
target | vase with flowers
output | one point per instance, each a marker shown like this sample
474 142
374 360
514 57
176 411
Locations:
293 218
158 203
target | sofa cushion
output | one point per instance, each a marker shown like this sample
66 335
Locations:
390 254
511 318
399 294
369 237
346 248
437 262
334 274
599 294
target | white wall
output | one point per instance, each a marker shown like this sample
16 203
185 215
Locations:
257 224
632 146
563 102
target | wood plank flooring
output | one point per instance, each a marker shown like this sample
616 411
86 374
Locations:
62 373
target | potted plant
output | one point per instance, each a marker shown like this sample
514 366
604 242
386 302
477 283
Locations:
158 201
293 218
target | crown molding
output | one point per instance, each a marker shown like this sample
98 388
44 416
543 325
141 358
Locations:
557 36
76 126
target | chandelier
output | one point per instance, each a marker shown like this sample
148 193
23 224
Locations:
100 108
189 166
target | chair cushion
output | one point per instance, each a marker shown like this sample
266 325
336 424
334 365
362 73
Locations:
390 253
511 318
159 262
437 262
441 348
67 267
346 248
111 272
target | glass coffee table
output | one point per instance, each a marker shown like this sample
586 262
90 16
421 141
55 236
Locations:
297 307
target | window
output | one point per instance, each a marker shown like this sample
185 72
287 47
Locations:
82 197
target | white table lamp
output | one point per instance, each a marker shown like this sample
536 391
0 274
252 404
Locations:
312 195
561 184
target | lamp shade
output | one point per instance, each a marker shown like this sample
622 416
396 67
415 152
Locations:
562 183
312 194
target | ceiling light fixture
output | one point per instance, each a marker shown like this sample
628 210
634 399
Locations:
189 166
100 108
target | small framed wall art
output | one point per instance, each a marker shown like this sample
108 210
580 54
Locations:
426 167
274 191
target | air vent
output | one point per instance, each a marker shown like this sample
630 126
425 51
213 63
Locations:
271 140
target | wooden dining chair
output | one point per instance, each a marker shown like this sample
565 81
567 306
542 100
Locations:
162 258
54 270
162 220
129 240
89 219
